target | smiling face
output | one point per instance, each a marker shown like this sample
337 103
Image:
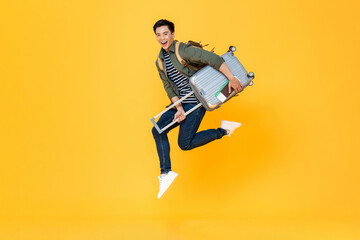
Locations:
164 37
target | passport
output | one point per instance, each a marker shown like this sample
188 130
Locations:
223 93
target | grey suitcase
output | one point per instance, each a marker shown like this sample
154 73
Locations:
207 82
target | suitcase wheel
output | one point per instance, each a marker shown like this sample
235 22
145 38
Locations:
232 49
251 83
251 75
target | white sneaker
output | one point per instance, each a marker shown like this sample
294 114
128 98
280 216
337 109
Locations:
165 182
229 126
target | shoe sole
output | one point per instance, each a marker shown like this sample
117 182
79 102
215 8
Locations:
168 187
234 124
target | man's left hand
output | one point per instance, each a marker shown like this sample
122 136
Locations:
235 84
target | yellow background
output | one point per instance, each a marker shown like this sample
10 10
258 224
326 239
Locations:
78 89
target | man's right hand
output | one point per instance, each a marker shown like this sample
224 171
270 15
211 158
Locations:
180 114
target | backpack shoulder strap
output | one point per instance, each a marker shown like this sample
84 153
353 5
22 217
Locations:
181 60
160 64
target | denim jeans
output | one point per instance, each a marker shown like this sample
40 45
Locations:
188 136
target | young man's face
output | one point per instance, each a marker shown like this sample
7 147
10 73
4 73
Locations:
164 37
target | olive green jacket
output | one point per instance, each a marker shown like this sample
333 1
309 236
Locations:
190 54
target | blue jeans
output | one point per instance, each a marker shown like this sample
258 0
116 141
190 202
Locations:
188 136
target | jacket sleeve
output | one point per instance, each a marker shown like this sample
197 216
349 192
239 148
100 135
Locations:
169 90
199 55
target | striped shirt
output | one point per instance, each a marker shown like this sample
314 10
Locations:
181 82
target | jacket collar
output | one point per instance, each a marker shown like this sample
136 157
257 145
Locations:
171 49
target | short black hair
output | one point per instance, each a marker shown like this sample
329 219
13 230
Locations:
164 22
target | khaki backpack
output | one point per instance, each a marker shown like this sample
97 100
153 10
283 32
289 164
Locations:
196 67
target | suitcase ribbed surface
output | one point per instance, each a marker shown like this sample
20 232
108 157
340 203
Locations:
208 81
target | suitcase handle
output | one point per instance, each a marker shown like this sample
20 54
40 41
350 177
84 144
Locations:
168 108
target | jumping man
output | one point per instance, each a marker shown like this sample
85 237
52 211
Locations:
175 77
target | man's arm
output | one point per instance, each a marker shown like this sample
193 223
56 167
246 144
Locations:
169 90
172 95
233 81
199 55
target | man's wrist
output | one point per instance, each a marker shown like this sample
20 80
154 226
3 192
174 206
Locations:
179 106
233 78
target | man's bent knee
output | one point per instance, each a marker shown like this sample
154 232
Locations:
184 146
